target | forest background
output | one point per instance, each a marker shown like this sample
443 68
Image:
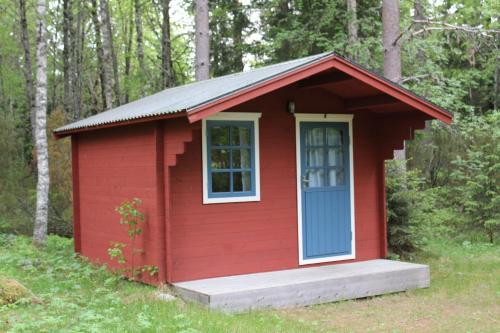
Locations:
104 53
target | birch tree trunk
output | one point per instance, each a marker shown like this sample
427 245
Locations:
42 188
390 34
202 44
103 78
166 51
107 64
28 68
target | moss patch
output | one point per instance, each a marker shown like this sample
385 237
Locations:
12 291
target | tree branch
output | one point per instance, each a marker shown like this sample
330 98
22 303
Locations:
439 25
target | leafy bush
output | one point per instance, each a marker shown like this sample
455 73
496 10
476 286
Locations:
16 180
60 213
402 238
132 219
477 175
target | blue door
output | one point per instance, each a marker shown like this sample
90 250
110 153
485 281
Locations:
325 177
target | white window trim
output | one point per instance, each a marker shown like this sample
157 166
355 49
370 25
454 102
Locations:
228 116
314 117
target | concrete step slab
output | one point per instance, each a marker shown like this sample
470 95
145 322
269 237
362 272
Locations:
305 286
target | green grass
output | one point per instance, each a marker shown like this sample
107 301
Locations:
77 297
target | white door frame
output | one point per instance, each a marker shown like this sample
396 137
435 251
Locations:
314 117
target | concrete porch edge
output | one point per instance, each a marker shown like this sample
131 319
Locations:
305 286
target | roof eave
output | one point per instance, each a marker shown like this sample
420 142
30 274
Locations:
244 95
62 134
330 61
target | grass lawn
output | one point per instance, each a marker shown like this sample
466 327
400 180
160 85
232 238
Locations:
464 297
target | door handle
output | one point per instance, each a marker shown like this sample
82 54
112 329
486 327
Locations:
305 180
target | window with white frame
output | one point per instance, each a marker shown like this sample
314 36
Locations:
231 157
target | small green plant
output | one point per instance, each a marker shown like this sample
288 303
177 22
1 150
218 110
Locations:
132 219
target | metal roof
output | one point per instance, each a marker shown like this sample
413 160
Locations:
191 96
187 97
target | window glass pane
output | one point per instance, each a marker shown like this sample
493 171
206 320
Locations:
219 135
335 157
333 137
242 182
316 178
221 182
336 177
314 157
314 137
240 136
241 159
220 158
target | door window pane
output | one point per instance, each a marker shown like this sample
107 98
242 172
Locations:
314 157
221 182
314 137
315 178
335 157
336 177
241 159
333 137
242 181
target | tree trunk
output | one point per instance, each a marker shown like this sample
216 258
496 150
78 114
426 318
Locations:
239 22
114 59
352 22
392 53
42 188
28 68
78 45
166 51
496 80
390 36
418 15
68 36
202 51
100 53
128 57
140 46
2 90
107 61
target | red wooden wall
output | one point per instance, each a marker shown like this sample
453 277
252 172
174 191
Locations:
160 162
237 238
114 165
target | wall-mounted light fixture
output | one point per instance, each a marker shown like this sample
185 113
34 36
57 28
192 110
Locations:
291 107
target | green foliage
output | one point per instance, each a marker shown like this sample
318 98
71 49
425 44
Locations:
458 193
402 192
60 196
16 179
132 219
293 29
477 175
229 27
79 297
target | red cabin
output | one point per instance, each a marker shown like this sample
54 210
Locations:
276 168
